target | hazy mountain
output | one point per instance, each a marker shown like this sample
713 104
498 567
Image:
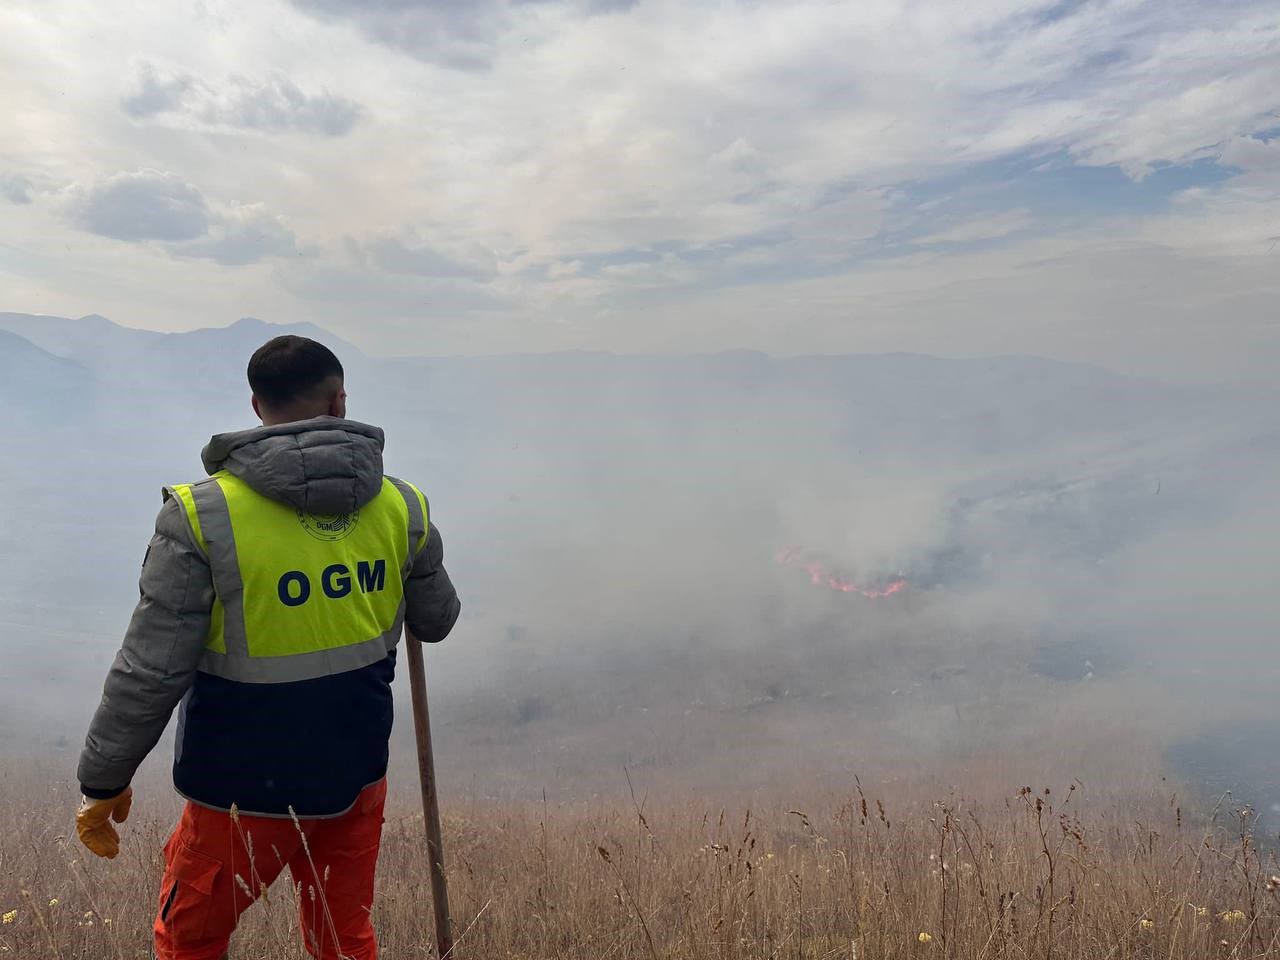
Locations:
34 381
91 341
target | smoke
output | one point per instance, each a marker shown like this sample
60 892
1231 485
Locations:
731 570
858 526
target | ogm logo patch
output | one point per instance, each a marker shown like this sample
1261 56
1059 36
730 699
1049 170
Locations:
329 527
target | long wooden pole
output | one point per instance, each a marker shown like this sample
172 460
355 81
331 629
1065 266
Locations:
430 799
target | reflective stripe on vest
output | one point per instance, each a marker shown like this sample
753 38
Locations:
309 595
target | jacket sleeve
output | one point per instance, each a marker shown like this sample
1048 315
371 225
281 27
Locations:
431 603
157 661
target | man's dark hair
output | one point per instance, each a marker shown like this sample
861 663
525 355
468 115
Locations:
286 369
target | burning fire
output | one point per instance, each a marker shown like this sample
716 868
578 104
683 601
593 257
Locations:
821 576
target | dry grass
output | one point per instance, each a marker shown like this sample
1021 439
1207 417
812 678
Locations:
1040 875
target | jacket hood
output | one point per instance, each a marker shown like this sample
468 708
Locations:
320 466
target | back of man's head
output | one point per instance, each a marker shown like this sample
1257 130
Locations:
294 378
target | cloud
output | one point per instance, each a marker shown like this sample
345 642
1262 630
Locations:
462 34
455 33
1133 86
689 125
1251 154
739 157
987 227
143 205
337 289
156 94
560 269
273 105
16 188
397 276
414 255
842 222
243 235
156 206
279 104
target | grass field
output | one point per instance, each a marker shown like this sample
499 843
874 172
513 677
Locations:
874 873
748 836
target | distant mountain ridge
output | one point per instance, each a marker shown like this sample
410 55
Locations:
572 404
115 350
84 338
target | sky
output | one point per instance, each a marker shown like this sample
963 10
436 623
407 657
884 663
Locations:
1092 180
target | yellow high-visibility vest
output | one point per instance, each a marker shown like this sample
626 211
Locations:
300 595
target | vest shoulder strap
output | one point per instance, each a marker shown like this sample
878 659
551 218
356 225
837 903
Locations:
419 513
186 494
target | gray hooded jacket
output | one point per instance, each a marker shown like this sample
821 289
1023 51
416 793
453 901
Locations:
319 466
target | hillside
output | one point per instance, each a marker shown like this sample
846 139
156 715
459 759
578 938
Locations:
35 381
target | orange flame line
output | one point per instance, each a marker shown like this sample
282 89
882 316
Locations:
820 576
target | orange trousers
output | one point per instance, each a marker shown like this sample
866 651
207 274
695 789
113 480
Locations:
216 867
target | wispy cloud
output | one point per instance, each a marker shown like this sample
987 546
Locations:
274 104
986 227
16 188
536 156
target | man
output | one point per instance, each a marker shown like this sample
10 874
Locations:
272 598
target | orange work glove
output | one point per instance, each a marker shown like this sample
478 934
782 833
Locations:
93 822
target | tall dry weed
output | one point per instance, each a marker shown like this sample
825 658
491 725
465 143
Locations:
1042 875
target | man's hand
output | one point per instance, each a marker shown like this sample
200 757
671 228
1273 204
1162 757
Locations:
93 822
